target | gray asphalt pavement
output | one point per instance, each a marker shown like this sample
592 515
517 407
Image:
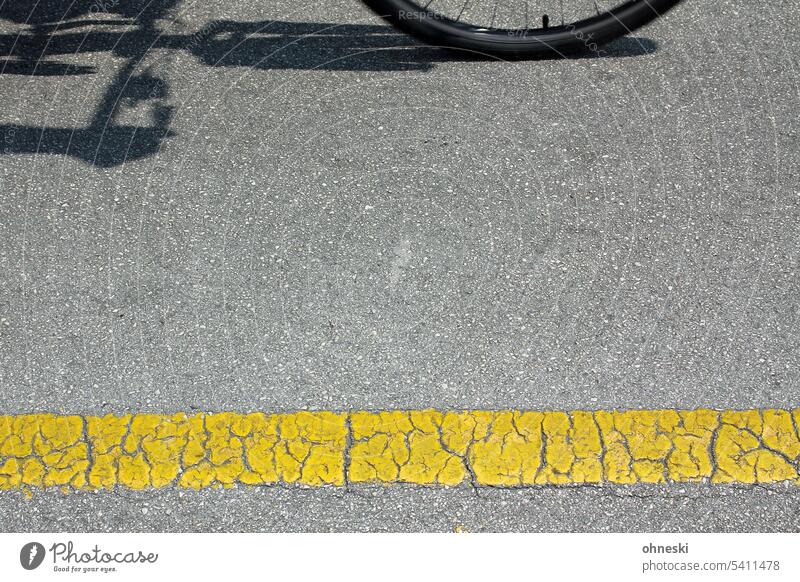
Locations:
409 508
276 206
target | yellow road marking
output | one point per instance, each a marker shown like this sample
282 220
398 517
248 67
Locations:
425 447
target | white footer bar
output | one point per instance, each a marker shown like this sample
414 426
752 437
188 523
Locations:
400 557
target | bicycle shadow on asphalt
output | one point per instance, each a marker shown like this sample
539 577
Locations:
267 45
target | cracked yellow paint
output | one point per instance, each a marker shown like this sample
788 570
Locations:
425 447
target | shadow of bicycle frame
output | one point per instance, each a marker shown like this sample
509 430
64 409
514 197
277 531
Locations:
266 45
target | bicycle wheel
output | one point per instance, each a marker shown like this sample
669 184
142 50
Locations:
519 28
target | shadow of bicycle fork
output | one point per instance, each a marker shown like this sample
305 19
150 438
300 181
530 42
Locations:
104 142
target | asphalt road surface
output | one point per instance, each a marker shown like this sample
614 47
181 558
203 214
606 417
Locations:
287 205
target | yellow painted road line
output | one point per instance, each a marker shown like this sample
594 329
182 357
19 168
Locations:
425 447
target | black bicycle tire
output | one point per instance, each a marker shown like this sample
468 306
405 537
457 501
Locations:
581 36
